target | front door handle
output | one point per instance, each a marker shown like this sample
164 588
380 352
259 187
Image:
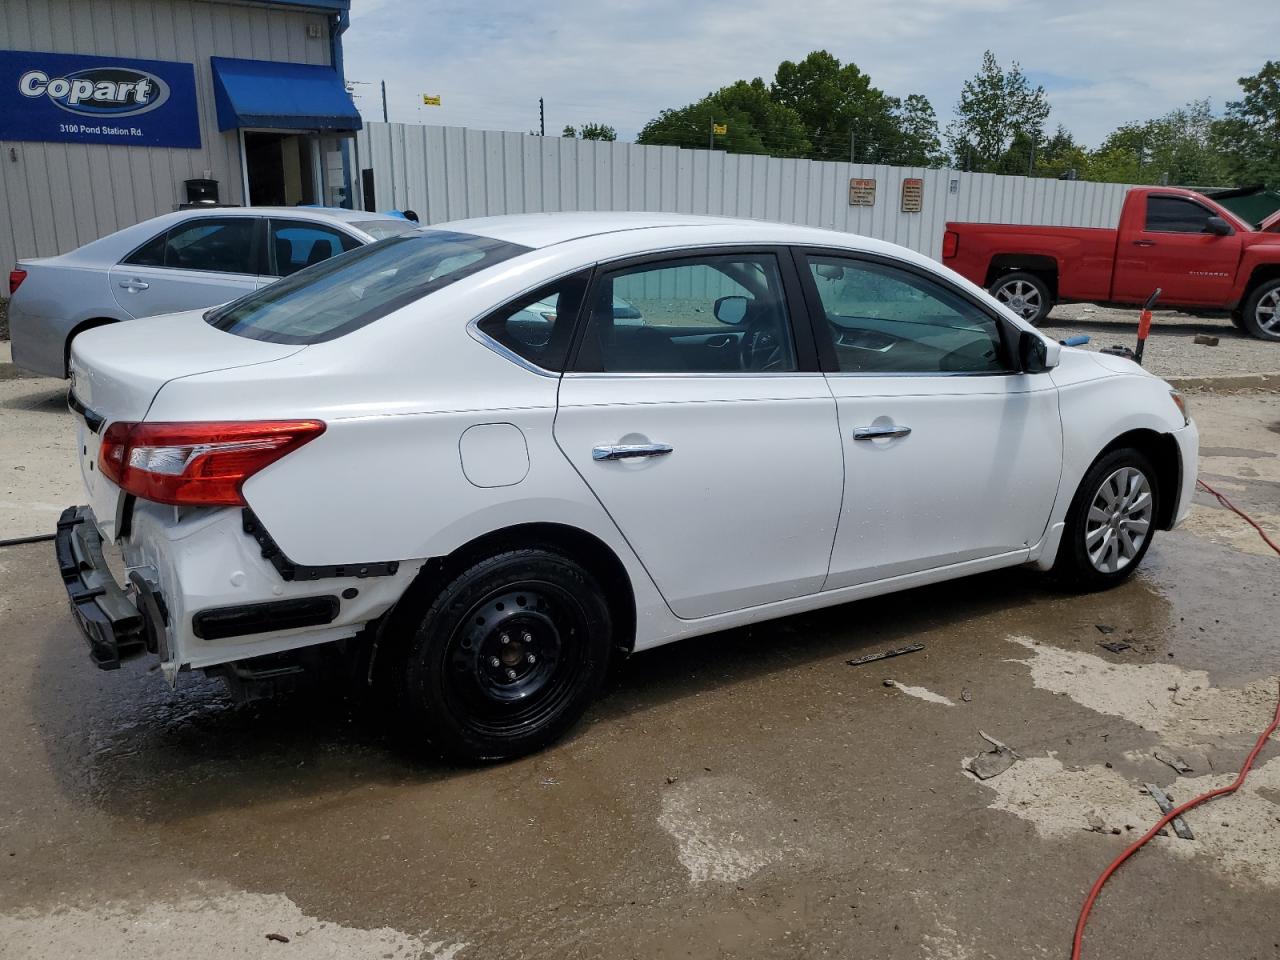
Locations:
630 451
1144 243
880 433
133 286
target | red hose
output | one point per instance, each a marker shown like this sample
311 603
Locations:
1078 940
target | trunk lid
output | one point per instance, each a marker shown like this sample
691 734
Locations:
117 370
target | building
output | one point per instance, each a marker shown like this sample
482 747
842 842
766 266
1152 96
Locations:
111 113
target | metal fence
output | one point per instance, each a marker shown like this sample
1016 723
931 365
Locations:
449 173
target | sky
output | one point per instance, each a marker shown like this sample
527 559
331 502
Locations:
1102 62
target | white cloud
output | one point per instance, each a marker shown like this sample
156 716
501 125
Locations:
1109 61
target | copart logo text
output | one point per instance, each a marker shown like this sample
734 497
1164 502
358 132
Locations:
98 91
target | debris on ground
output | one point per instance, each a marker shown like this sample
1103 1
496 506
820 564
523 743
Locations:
1162 800
278 937
1115 646
1205 340
992 762
1105 628
885 655
1174 761
921 693
966 696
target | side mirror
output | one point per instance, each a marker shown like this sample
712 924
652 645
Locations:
731 310
1035 354
1217 225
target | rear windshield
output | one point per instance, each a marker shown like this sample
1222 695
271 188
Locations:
346 292
381 229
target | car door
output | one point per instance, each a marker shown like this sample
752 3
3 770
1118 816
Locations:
196 263
294 244
1176 251
700 421
951 456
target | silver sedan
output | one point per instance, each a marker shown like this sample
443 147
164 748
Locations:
178 261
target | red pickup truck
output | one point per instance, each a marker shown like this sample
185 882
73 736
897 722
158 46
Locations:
1203 257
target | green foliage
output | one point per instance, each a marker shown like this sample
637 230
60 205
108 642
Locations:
839 108
1248 137
756 123
1179 148
918 127
997 109
591 131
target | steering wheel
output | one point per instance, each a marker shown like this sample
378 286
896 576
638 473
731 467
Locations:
761 346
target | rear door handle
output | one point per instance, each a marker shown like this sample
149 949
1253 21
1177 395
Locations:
880 433
630 451
1144 243
135 285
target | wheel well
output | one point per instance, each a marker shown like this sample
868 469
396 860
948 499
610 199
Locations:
78 329
590 551
1162 449
1044 267
1260 275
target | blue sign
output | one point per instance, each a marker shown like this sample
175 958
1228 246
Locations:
105 100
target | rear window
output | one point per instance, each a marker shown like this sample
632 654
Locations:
334 297
381 229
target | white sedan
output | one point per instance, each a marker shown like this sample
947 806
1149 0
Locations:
177 261
383 456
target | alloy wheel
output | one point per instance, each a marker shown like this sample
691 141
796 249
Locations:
1021 297
1267 312
1119 520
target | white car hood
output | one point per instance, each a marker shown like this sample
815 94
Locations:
116 370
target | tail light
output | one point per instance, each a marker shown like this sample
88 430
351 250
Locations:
197 464
950 244
16 276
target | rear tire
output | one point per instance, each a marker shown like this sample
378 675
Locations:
1110 522
1026 294
506 658
1261 312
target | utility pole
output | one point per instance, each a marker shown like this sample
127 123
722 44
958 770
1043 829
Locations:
542 118
711 137
853 145
1031 164
384 101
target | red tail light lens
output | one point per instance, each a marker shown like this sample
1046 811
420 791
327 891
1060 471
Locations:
950 244
15 280
197 464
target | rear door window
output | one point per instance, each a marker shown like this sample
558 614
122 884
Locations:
214 244
341 294
294 244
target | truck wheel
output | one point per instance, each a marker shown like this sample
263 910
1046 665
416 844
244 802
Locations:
1110 522
1261 313
1025 294
506 658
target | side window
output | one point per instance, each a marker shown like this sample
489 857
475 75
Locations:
712 314
539 326
221 244
1176 215
887 320
294 244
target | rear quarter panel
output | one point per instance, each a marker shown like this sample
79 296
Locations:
56 297
1085 256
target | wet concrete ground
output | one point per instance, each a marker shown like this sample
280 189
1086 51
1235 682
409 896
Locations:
746 794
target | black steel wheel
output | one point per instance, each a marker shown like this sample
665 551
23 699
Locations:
506 658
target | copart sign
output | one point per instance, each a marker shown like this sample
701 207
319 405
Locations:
103 100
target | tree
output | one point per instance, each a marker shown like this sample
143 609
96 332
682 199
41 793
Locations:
995 109
1060 155
754 123
591 131
839 109
1178 148
918 129
1249 136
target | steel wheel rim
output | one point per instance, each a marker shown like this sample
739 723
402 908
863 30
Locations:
506 688
1119 520
1267 312
1021 297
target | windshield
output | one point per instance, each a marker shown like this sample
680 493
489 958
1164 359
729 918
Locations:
341 294
381 229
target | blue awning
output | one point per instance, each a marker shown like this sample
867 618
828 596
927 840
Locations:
291 96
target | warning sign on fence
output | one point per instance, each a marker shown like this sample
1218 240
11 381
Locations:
912 195
862 193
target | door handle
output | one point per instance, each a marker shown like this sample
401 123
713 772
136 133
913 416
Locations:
630 451
133 286
880 433
1144 243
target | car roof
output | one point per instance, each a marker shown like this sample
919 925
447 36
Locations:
306 212
546 229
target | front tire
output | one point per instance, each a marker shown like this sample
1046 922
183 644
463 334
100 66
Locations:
506 658
1261 312
1025 294
1110 522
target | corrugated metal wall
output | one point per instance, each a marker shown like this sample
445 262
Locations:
448 173
57 196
